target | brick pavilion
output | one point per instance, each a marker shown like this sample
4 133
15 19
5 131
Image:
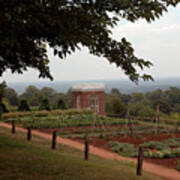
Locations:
89 96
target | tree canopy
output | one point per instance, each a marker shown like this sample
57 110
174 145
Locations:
27 26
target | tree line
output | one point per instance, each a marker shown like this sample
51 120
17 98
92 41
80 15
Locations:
144 104
136 104
34 99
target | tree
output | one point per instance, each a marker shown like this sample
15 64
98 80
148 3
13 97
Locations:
33 95
176 108
69 98
11 96
137 97
50 94
114 105
2 90
45 105
26 26
115 92
23 105
146 111
163 106
172 96
135 108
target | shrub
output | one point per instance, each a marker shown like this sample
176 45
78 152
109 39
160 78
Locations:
61 104
23 106
45 105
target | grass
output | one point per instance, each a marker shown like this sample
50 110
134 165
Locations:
35 160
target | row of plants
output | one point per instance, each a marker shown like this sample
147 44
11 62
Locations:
109 132
169 148
67 119
45 113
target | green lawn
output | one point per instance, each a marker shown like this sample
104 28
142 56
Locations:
20 159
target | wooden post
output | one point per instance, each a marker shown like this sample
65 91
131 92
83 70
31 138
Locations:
140 161
13 130
54 140
86 150
29 135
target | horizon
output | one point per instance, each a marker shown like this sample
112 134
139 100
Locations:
124 86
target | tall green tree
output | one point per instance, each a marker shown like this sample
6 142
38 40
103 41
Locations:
2 94
50 94
11 96
33 95
26 26
114 105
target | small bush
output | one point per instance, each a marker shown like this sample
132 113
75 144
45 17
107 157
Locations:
45 105
23 106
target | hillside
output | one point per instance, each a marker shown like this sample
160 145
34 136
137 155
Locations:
35 160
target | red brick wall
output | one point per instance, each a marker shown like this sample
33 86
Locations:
84 103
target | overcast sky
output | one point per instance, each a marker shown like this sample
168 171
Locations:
158 42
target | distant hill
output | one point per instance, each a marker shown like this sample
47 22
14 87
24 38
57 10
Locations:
125 86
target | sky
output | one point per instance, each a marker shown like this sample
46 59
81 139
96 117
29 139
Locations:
157 41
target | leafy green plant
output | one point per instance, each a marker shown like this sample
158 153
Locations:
166 153
124 149
155 145
174 142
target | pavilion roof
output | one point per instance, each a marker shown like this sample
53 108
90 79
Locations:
88 87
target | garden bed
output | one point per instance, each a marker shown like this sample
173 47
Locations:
136 141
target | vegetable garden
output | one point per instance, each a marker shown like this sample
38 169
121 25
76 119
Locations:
161 141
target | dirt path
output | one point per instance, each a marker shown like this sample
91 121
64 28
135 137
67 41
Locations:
161 171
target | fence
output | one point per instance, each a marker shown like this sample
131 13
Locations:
86 146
